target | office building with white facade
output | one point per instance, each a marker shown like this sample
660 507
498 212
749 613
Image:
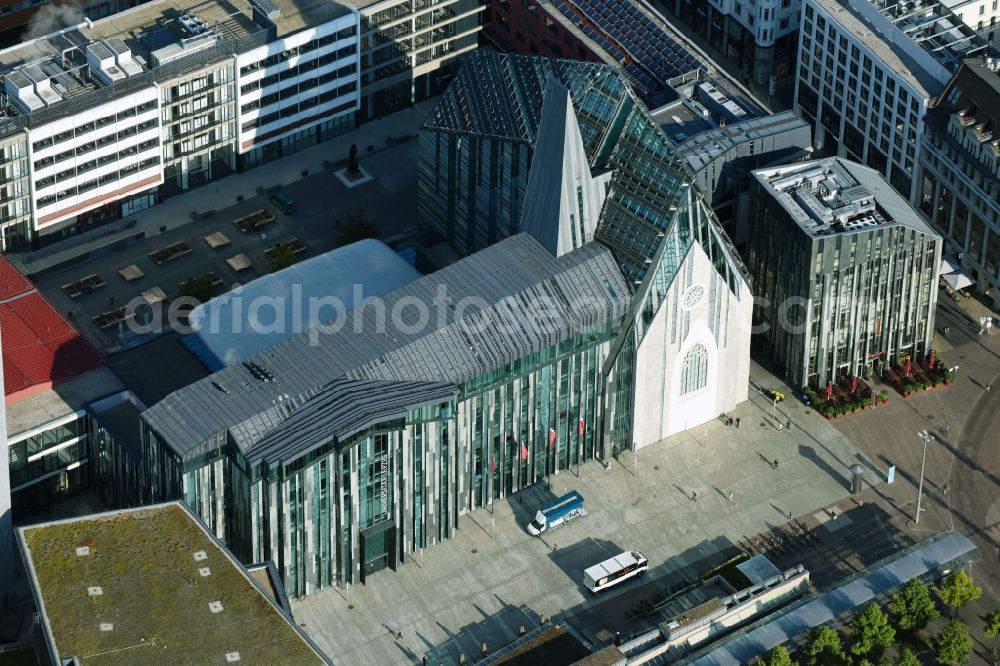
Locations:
867 71
958 186
106 118
845 268
411 48
758 35
983 16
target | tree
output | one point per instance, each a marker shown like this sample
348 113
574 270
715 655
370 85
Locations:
992 628
913 607
777 656
201 287
872 631
824 648
282 256
958 590
954 645
356 227
907 657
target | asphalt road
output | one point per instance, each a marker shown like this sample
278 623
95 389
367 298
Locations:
977 448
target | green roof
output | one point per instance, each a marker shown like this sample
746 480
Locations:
153 602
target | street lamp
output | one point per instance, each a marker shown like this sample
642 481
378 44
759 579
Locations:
926 436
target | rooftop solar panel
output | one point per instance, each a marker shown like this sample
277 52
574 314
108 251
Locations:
621 28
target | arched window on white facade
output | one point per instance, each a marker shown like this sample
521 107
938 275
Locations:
694 373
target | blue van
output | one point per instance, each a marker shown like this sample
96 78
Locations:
557 512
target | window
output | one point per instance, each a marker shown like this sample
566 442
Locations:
694 373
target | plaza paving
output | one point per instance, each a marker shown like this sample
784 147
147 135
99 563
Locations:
493 577
322 202
962 473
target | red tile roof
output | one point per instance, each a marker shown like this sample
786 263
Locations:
12 283
40 348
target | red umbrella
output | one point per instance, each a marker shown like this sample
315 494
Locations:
909 367
932 358
829 390
854 383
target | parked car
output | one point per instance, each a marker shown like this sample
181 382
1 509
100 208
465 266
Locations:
283 202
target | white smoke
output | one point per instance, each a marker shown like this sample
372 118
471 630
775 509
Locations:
52 17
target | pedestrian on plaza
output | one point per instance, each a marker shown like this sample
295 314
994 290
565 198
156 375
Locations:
731 497
788 424
789 515
775 464
737 422
989 386
694 496
399 634
944 488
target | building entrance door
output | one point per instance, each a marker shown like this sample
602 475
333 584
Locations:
378 548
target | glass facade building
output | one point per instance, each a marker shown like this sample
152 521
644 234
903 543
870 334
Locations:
340 479
515 363
847 271
93 447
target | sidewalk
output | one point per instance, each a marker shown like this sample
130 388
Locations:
176 211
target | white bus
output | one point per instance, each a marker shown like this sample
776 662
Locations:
613 571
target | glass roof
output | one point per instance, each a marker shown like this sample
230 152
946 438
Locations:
501 96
